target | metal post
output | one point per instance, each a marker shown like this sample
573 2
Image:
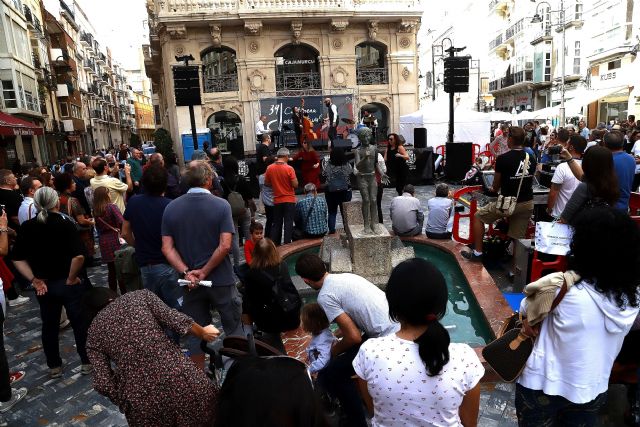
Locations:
194 133
433 74
478 85
451 101
564 54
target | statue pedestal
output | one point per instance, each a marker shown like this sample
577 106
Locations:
370 253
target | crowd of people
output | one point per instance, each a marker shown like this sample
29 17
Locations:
188 226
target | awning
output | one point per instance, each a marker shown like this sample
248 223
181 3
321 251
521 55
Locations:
587 96
13 126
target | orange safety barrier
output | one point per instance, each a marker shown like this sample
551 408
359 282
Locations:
538 266
457 216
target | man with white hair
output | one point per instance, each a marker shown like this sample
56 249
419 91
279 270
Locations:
261 128
311 213
334 120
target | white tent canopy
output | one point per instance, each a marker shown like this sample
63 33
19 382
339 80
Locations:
470 126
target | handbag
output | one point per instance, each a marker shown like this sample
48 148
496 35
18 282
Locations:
300 233
553 238
120 239
506 205
508 354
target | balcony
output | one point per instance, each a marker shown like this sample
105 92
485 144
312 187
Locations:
66 10
96 114
101 59
226 7
223 83
495 42
515 29
371 76
543 35
36 61
86 40
518 78
28 16
297 81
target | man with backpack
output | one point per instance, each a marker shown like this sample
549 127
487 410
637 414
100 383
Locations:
238 193
283 181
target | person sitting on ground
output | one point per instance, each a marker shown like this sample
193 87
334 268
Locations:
311 213
358 307
266 268
315 322
436 381
511 180
564 182
566 377
279 391
257 233
440 211
599 184
407 217
152 382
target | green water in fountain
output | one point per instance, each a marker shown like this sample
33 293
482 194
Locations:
464 316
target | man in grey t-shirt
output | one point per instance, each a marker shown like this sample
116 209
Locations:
358 307
197 230
440 209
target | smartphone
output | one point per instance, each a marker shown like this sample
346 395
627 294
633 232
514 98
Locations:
1 209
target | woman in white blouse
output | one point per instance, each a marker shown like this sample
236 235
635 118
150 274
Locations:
417 377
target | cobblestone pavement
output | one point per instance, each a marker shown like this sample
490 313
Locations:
71 400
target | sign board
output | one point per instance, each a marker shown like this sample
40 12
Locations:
279 112
186 81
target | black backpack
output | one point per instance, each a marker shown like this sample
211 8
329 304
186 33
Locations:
281 311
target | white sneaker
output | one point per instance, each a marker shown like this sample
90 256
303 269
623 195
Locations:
17 394
18 301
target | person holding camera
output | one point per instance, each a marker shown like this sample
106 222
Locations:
564 182
117 188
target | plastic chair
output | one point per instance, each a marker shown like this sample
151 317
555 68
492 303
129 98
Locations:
488 155
457 216
441 149
538 266
634 204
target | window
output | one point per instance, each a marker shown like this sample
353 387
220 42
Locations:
612 65
156 113
576 58
578 11
371 64
547 67
76 112
9 94
64 109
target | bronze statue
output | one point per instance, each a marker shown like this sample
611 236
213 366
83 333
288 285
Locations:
366 164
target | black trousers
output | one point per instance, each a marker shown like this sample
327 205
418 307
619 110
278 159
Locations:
59 295
268 211
332 133
379 202
283 213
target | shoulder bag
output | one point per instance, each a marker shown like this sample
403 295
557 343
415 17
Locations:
508 354
506 205
120 239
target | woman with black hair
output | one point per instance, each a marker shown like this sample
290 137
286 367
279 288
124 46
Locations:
338 189
268 392
599 184
396 157
417 376
566 377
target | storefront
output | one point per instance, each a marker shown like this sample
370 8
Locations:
17 136
618 75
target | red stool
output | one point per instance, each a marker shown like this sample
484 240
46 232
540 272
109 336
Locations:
538 266
457 216
475 152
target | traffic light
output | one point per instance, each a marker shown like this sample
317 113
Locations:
456 74
186 81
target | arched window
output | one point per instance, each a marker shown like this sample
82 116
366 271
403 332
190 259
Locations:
219 70
226 131
371 64
380 113
297 68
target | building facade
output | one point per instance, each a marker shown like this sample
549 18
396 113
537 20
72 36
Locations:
19 83
145 122
362 51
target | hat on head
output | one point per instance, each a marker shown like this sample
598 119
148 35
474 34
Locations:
570 126
616 127
283 152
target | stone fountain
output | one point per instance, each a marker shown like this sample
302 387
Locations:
371 256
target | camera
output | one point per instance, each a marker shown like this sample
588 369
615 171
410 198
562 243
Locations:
556 149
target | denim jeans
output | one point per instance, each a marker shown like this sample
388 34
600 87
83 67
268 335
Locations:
241 226
162 280
335 199
283 213
537 409
60 294
5 383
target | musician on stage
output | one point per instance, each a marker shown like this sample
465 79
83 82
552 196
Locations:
296 116
333 119
261 128
369 120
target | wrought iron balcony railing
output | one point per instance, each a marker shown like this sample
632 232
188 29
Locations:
372 76
298 81
223 83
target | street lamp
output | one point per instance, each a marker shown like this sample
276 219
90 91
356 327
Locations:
438 55
477 67
537 19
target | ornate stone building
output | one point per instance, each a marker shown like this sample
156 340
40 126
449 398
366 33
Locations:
252 50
